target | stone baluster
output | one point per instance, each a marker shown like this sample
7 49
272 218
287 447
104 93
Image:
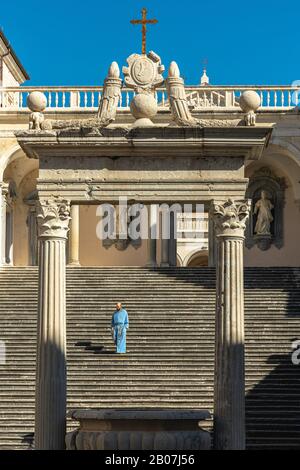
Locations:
50 419
229 396
74 236
152 235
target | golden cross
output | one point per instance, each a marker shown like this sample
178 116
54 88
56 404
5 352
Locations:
143 22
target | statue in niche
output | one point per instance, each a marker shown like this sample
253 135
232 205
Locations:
263 209
265 225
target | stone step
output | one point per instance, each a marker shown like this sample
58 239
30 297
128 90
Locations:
178 359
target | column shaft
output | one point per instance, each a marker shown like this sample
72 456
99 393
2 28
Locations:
3 227
229 391
229 410
152 236
51 379
51 368
173 239
164 252
164 237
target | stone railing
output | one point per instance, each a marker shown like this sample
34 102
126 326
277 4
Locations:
63 98
192 226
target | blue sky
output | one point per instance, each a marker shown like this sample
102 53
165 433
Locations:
73 42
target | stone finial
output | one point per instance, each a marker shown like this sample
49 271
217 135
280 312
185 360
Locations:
174 71
143 107
113 71
53 218
249 103
230 217
110 97
177 98
37 103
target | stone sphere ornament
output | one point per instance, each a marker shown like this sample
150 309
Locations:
143 107
249 101
36 101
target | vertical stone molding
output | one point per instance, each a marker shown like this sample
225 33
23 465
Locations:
74 236
229 396
153 235
50 420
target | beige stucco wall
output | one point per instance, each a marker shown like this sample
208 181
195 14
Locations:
93 253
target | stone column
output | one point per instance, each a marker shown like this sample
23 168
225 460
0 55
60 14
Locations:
4 195
74 236
173 239
152 235
164 239
212 242
50 413
1 225
9 236
32 236
229 395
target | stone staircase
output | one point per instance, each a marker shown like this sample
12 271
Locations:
170 346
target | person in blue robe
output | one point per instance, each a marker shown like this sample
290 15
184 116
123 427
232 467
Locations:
119 325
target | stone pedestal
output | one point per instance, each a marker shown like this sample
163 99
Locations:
152 236
139 430
74 236
50 415
229 395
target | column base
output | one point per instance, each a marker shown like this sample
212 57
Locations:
74 263
164 265
151 264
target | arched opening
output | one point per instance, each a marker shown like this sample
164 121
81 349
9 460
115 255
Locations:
200 258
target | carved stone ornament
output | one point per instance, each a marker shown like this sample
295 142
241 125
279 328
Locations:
230 217
53 218
122 243
265 225
180 108
144 72
107 107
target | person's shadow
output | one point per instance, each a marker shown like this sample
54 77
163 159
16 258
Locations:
94 348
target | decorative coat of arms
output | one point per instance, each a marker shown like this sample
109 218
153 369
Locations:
144 72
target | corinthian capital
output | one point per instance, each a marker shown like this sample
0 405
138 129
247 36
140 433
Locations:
53 217
230 216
